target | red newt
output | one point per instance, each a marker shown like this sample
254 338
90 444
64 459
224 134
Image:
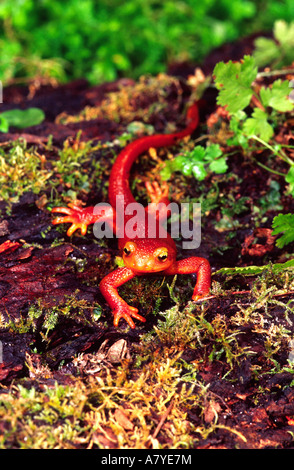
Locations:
141 253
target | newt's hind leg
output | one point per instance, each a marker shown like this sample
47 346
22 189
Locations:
157 193
160 204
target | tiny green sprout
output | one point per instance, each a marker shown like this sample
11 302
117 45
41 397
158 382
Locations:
97 312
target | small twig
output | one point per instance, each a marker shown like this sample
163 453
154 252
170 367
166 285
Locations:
29 138
163 418
274 73
256 102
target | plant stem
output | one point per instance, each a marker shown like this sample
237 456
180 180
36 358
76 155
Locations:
274 73
256 102
270 169
283 156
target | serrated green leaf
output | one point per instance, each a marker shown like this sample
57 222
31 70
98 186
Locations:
255 270
277 97
233 80
266 51
284 32
283 223
278 51
213 151
242 270
278 267
258 125
222 73
244 72
248 70
198 153
234 98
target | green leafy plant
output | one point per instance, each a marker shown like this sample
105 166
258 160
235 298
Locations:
21 170
235 82
104 40
197 162
238 93
278 51
21 118
283 223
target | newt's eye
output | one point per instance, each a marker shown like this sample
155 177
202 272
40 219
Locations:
129 248
161 254
162 257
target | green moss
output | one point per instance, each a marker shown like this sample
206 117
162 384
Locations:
45 318
117 409
21 169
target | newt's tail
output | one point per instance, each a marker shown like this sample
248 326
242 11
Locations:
118 181
192 116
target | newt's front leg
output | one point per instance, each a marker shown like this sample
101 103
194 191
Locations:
201 267
81 217
120 309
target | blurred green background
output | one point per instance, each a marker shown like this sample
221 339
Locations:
102 40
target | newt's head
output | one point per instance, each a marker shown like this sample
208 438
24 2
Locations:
148 256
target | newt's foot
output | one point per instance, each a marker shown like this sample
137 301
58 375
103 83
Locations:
196 297
79 217
157 193
126 312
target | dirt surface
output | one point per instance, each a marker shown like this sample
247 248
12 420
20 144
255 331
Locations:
243 361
